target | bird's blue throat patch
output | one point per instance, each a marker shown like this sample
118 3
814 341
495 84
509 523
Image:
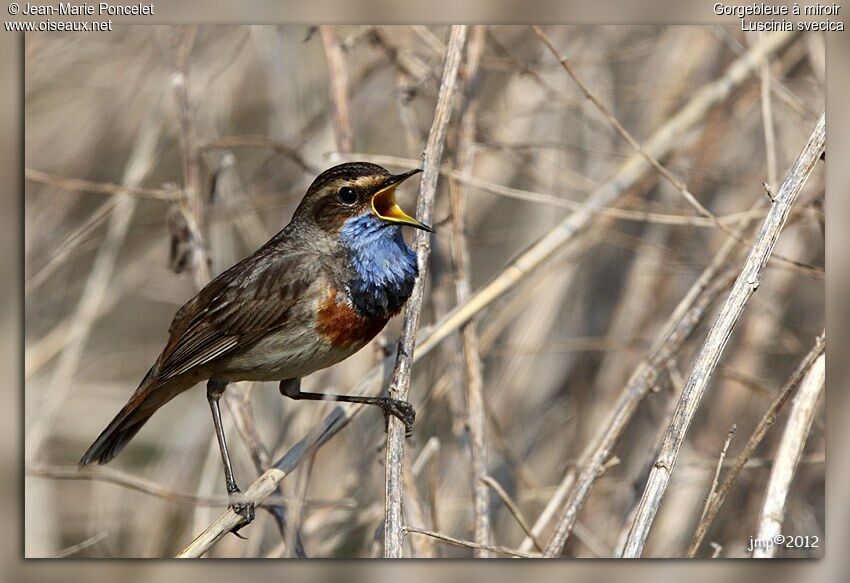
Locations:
384 264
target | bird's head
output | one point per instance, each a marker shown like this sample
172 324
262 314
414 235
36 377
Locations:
354 190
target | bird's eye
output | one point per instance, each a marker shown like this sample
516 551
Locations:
347 195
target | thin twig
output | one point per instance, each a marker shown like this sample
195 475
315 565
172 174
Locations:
251 141
470 545
676 330
767 121
788 456
513 508
744 459
400 384
74 549
718 337
712 492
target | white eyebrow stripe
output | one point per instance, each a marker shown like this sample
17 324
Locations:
365 181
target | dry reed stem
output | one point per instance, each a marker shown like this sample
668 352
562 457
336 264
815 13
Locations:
718 336
268 482
71 242
415 514
400 384
716 501
788 456
41 351
192 203
473 367
630 172
338 81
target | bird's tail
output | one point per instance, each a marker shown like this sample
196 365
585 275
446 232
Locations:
149 397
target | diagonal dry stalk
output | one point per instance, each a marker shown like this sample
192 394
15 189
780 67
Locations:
635 168
679 326
400 384
718 337
463 288
788 456
676 330
629 173
96 290
512 508
714 502
712 492
80 234
669 176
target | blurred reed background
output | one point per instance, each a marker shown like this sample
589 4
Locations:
266 108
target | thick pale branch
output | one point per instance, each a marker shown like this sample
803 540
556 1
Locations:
714 502
788 456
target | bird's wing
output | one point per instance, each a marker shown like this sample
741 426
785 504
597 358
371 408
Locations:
238 307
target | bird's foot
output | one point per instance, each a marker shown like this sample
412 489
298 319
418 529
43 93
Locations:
402 410
244 509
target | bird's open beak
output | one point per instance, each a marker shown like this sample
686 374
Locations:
385 206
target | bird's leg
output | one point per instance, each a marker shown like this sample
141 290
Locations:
396 407
215 389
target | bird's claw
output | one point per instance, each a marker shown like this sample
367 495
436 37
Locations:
245 510
401 410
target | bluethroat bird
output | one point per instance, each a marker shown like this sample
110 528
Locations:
312 296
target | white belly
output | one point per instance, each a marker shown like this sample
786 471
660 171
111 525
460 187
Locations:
281 356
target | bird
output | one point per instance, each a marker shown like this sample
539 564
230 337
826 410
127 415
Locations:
313 295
